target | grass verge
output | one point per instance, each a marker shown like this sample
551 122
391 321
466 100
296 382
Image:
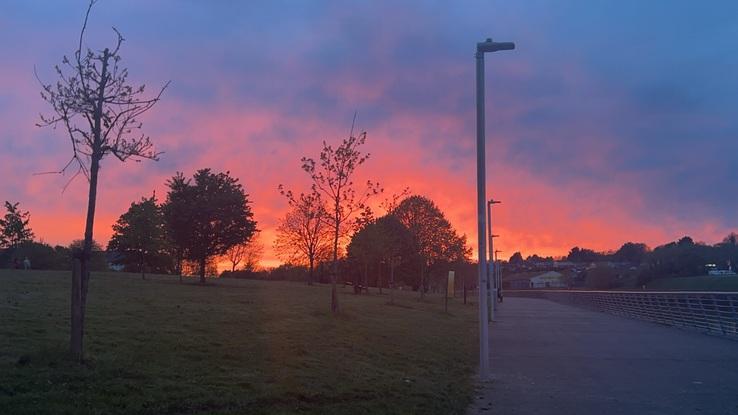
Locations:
236 346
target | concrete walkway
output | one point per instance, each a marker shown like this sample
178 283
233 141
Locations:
549 358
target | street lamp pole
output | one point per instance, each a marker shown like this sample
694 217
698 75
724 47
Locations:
491 281
487 46
498 276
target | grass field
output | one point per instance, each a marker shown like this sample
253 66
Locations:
704 283
233 347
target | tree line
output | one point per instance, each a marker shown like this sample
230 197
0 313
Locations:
680 258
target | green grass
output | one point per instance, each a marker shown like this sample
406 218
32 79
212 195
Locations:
233 347
703 283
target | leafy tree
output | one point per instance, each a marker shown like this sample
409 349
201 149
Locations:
601 278
139 237
685 241
436 240
365 249
682 258
175 210
631 252
93 102
731 239
584 255
14 227
516 259
332 177
383 241
303 235
214 215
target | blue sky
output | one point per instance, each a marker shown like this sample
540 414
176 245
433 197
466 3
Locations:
611 121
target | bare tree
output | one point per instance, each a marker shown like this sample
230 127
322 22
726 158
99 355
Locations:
99 109
302 235
252 255
390 204
332 177
248 253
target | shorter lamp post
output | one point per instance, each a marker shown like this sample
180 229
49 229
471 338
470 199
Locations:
499 276
491 282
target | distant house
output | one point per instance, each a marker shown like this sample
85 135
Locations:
550 279
721 272
713 270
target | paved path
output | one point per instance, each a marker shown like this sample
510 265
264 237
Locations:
549 358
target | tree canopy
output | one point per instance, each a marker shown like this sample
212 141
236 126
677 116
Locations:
382 241
140 239
578 254
432 234
14 226
516 258
207 215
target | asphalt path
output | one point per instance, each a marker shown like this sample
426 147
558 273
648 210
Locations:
549 358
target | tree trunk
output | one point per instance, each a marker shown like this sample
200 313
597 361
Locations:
202 270
75 339
78 315
311 259
143 266
179 265
392 281
334 274
363 282
379 277
422 281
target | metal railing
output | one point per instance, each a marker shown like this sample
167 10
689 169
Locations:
711 312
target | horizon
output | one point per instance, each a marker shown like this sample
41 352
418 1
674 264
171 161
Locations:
622 137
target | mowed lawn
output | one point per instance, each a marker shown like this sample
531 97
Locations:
231 347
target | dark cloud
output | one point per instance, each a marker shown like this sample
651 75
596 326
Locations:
634 99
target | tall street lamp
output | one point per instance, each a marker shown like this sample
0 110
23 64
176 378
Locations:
487 46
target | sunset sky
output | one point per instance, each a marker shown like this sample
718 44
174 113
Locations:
613 121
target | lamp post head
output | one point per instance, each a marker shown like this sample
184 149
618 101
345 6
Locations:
490 46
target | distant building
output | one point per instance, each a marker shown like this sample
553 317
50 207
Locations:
721 272
715 272
550 279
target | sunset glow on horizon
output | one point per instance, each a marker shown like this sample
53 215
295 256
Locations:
592 141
